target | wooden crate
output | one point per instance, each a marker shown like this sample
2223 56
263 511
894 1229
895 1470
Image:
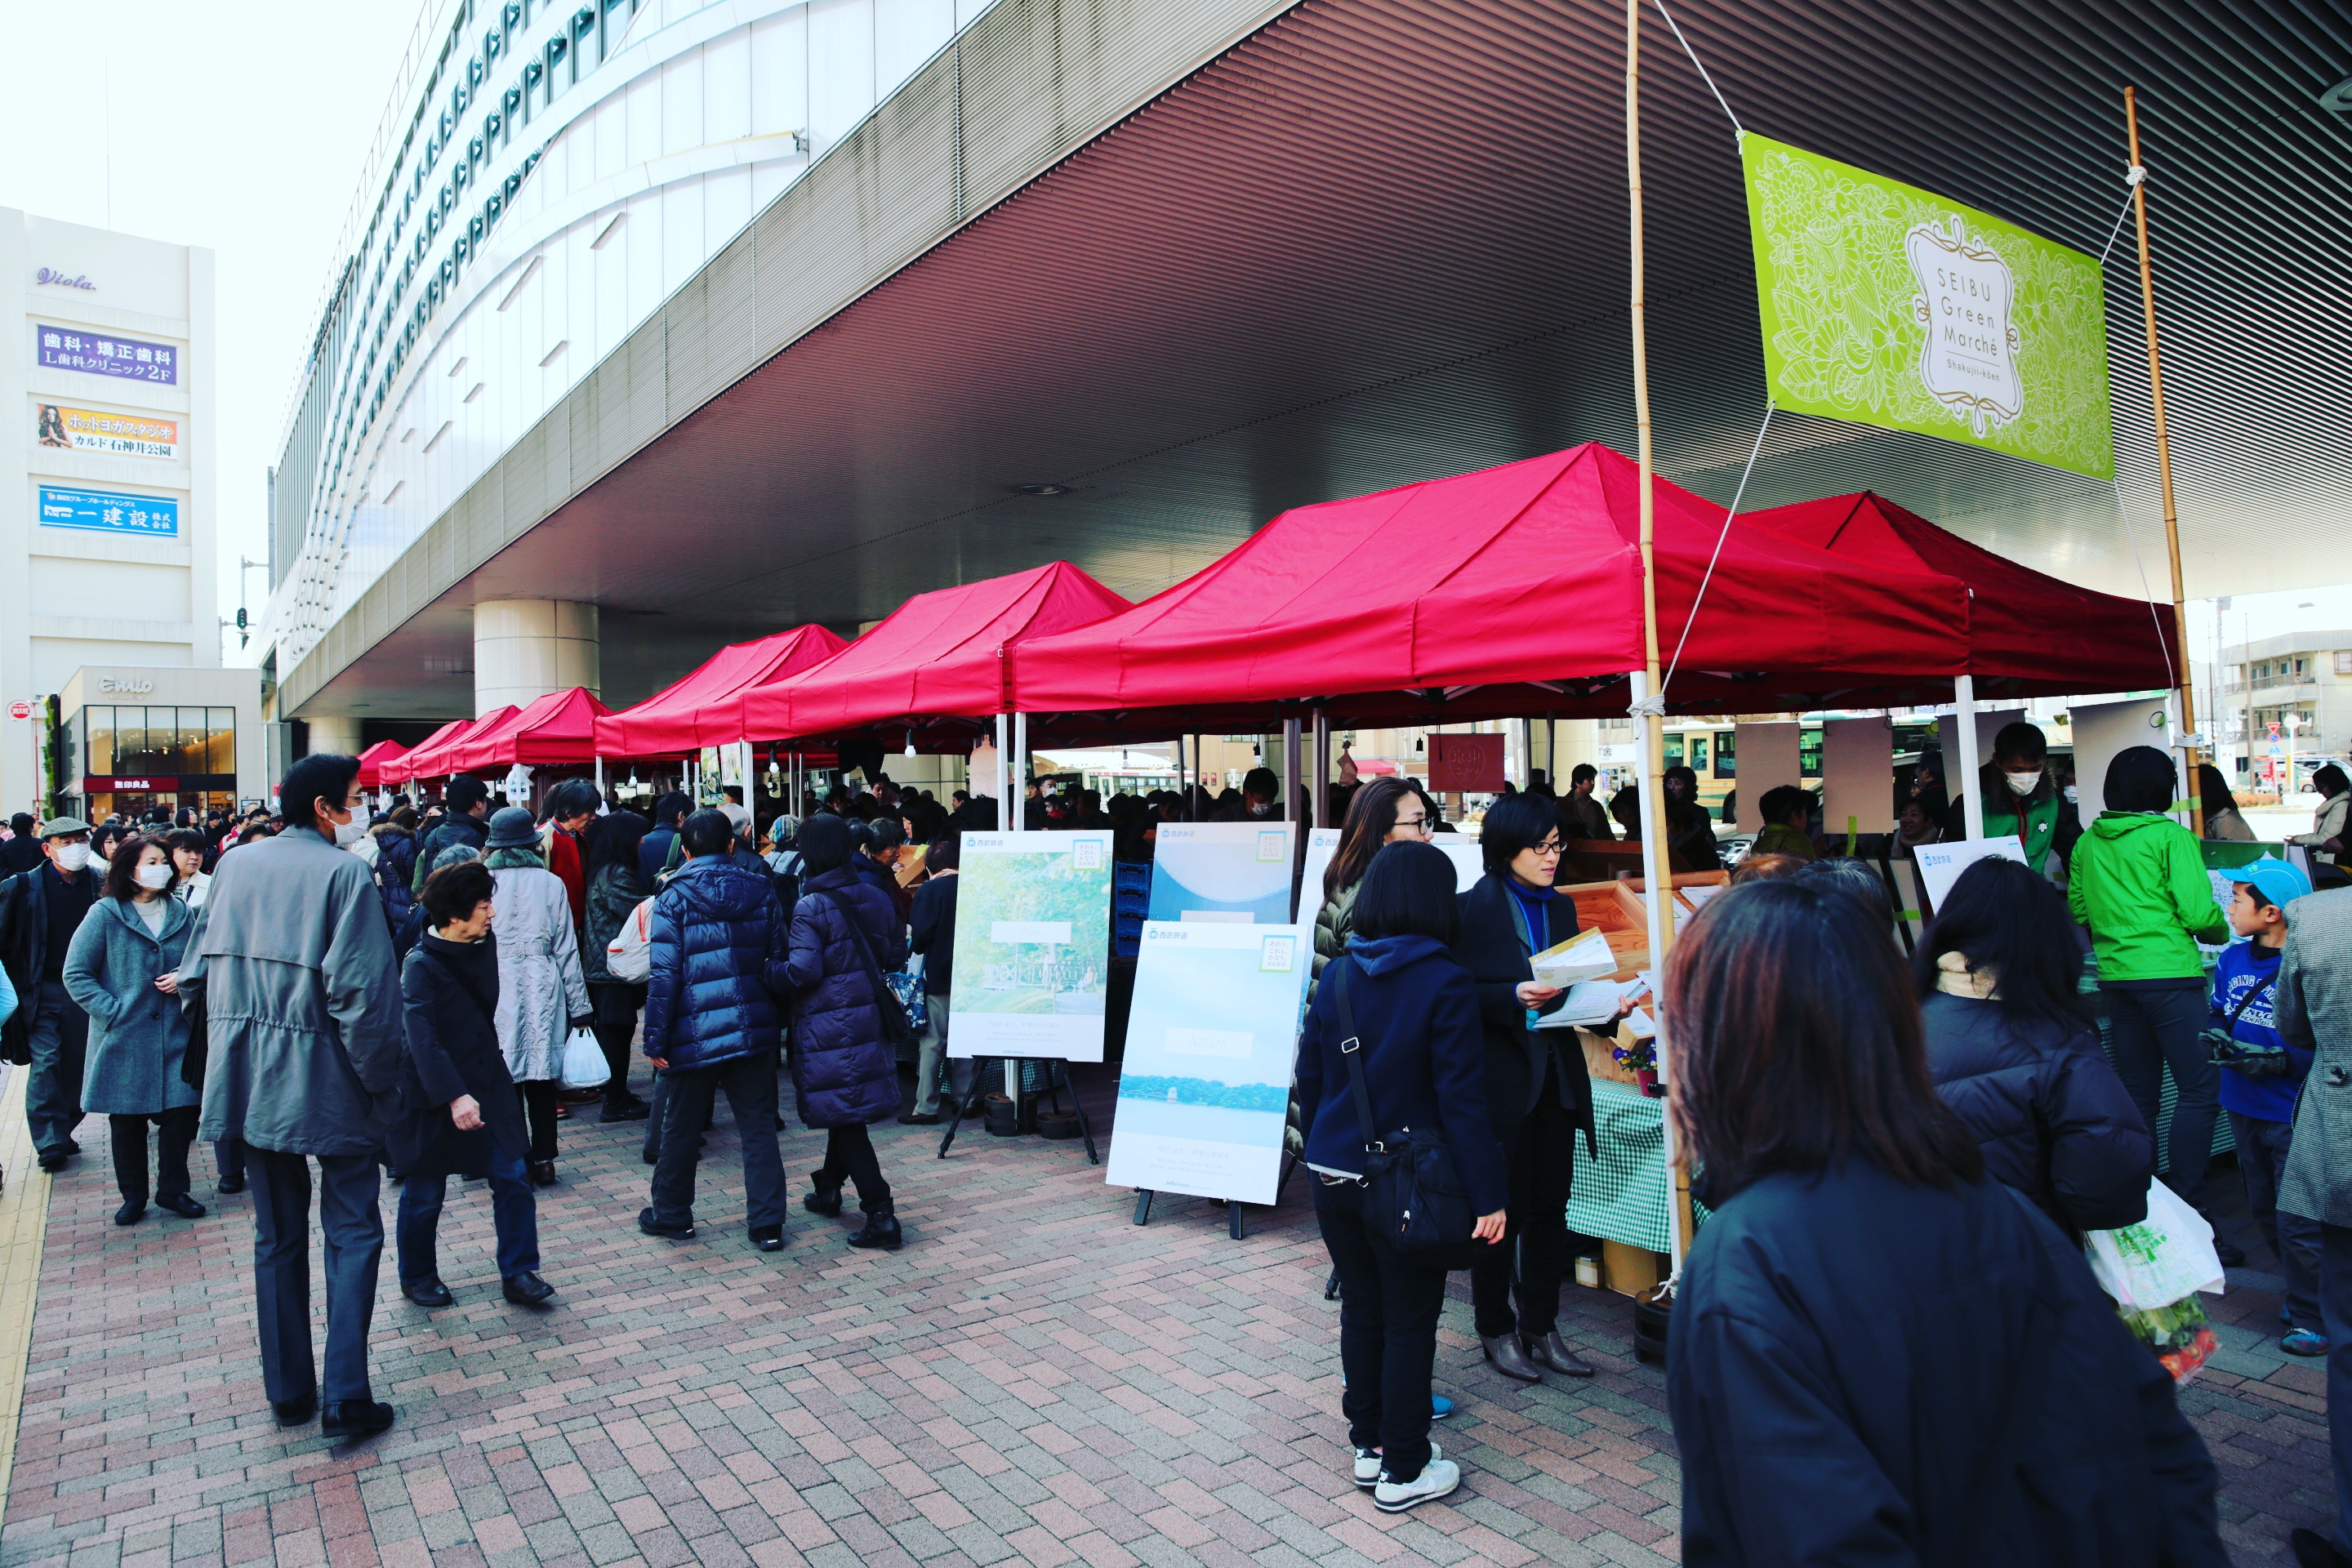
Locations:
1629 1270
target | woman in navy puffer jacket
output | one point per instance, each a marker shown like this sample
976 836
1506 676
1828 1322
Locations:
844 1070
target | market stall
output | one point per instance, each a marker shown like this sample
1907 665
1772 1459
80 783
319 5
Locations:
432 760
554 731
376 758
698 709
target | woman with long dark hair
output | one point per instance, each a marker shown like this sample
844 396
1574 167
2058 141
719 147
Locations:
1383 812
615 888
1417 1039
1538 1095
2013 1054
1876 1354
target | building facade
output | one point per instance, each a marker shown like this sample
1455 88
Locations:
2294 689
130 738
107 527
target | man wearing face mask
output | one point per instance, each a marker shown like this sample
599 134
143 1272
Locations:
306 1036
2020 798
40 909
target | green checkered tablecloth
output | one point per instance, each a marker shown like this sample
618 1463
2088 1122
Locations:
1623 1196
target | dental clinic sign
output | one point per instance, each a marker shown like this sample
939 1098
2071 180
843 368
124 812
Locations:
1885 304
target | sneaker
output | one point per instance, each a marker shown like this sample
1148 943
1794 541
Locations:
1368 1466
2304 1341
1440 1407
1437 1479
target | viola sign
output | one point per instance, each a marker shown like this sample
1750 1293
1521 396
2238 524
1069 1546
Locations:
49 277
1885 304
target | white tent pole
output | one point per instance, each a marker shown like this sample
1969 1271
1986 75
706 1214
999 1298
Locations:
1658 879
1964 724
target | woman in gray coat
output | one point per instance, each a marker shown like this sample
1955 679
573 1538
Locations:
122 970
542 995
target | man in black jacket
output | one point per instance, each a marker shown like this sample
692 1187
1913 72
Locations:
468 802
933 936
40 909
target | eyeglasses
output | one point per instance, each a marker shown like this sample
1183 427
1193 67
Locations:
1550 848
1412 823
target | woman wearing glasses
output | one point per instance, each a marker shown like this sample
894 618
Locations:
1537 1093
1385 811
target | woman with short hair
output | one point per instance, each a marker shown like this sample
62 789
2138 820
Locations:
616 889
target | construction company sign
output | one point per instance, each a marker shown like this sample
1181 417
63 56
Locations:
1885 304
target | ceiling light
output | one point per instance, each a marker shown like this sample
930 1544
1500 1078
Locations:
1041 490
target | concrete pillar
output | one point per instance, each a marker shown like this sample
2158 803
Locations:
335 738
525 648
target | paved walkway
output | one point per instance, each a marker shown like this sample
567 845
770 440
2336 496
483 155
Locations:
1032 1380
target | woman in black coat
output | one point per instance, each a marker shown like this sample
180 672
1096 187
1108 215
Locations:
1877 1355
460 1111
616 889
2012 1054
1537 1092
844 1070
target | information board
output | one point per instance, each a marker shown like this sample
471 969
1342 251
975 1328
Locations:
1231 871
1033 945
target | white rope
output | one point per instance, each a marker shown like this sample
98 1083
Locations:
2146 593
2132 177
1735 496
1736 128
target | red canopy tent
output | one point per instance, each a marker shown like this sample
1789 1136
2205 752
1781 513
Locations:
403 768
553 730
437 757
941 655
374 761
1512 591
699 711
2030 635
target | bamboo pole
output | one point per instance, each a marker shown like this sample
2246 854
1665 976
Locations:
2164 473
1656 867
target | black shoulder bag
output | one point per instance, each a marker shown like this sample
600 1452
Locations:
2223 1049
896 1030
1413 1191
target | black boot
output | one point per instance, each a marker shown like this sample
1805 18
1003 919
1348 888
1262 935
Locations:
881 1229
825 1196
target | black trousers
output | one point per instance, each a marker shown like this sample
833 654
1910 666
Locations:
1388 1332
1534 1251
849 1157
351 1220
685 1096
538 1104
177 1130
2160 1028
228 1158
617 1005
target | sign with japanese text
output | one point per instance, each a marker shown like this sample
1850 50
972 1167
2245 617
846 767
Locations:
108 353
1885 304
106 511
121 435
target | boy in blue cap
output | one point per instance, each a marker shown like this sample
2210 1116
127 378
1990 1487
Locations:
2262 1109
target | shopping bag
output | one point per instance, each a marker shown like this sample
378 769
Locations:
2164 1258
2179 1336
629 956
585 1066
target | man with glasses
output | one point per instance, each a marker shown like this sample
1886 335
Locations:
308 1037
40 909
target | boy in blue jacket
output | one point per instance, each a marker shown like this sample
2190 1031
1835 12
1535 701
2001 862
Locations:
2262 1109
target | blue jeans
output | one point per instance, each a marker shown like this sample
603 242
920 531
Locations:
2262 1160
352 1225
513 1211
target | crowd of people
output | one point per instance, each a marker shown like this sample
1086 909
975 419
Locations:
1885 1338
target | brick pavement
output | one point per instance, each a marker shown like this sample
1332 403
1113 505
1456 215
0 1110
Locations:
1032 1380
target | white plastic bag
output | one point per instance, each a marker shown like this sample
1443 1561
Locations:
629 955
585 1066
2164 1258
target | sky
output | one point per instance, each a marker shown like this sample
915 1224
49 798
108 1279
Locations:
243 129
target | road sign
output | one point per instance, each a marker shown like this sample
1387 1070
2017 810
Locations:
20 711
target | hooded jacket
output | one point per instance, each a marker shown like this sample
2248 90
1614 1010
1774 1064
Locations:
2138 882
395 872
717 939
844 1073
2047 1110
450 831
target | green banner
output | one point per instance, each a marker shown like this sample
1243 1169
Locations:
1889 305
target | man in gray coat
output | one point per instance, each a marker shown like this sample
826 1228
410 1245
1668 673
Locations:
2313 1011
306 1036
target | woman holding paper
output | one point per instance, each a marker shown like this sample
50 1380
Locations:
1538 1094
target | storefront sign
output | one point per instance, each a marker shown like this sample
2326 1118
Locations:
51 278
128 685
121 435
1459 763
108 785
104 354
104 511
1887 305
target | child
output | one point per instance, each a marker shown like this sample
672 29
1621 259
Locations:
2262 1109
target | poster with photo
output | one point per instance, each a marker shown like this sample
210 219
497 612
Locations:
1235 872
1033 946
1205 1086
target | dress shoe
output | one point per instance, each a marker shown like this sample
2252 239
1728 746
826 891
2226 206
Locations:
1509 1360
881 1230
918 1119
181 1203
427 1293
129 1214
72 1147
349 1419
2231 1255
824 1195
652 1225
2313 1550
563 1111
53 1159
768 1237
1551 1351
629 1110
230 1184
527 1289
295 1412
542 1173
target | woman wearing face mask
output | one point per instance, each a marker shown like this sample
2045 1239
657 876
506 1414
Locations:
187 847
122 970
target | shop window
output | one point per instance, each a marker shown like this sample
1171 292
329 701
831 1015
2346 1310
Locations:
1698 754
100 722
1674 750
2343 662
1727 754
1808 752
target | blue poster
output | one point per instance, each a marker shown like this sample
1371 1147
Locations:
105 512
109 353
1234 871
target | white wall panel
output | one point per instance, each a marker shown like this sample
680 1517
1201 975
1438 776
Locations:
780 73
727 89
841 67
906 33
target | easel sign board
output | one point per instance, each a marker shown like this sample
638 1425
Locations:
1322 844
1221 871
1205 1088
1033 946
1857 761
1940 865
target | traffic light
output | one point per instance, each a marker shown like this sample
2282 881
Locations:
241 617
